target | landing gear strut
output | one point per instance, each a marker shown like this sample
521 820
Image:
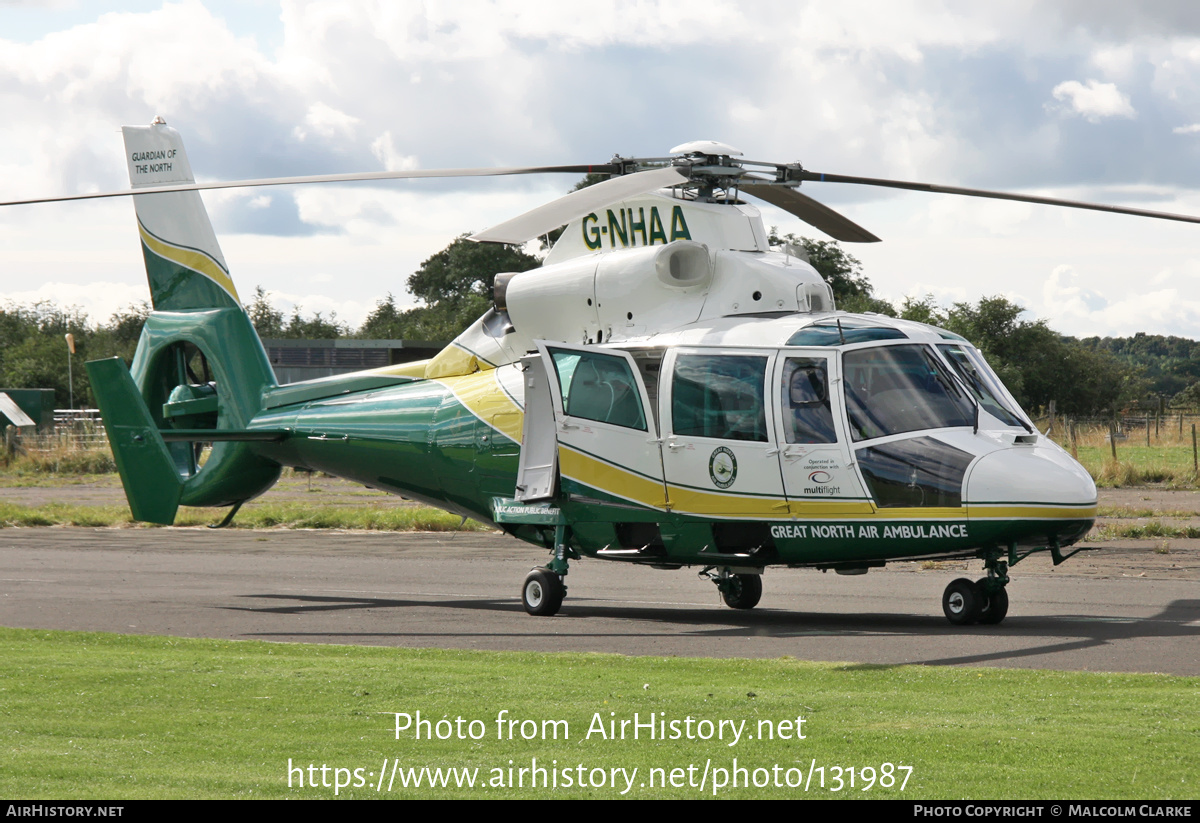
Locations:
984 601
739 591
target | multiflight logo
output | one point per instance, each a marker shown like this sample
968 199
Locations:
819 478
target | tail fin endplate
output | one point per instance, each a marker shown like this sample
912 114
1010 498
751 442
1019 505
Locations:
152 484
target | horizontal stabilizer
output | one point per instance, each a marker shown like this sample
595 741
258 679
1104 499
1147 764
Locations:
153 485
222 435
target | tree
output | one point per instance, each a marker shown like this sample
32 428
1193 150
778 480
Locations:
315 327
1036 363
456 286
465 268
267 320
1189 398
33 351
120 336
852 291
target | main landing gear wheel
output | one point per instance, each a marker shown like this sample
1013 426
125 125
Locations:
741 591
994 606
543 592
961 602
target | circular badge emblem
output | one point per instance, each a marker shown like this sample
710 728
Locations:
722 468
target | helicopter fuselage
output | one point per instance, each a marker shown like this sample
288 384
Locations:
852 440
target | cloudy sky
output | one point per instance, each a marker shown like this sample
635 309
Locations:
1083 99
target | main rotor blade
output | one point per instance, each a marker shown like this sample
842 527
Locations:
810 211
559 212
324 178
932 188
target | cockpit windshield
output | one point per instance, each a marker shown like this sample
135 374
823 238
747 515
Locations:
982 381
897 389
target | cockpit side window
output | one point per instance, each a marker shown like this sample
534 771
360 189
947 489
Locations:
721 396
897 389
807 416
981 381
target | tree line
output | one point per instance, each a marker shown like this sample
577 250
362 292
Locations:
1087 377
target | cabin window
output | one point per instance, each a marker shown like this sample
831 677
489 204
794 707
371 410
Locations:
720 396
599 387
843 333
807 416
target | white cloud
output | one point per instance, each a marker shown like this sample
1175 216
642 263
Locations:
100 300
327 122
385 151
1095 101
916 89
1075 309
1062 295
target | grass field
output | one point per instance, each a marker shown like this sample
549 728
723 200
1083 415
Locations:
109 716
1168 459
253 516
124 717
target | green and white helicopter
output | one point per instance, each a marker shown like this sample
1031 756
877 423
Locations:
666 390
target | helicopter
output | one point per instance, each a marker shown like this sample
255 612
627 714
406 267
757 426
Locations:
667 389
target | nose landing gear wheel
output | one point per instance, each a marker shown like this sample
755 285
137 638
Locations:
543 592
961 602
742 591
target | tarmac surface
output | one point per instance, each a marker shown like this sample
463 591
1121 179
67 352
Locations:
1130 607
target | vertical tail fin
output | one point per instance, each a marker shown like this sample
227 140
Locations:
199 365
184 263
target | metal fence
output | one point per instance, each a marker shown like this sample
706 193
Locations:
1174 433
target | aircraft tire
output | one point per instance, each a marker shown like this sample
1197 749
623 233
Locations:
742 591
993 607
961 602
542 593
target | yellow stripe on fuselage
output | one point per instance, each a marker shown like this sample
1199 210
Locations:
483 396
415 369
1030 511
193 259
454 361
611 479
622 483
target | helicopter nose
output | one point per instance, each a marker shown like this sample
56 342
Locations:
1037 475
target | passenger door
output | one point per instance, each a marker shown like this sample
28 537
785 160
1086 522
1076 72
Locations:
720 452
608 446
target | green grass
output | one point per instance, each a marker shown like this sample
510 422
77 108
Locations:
253 516
1139 464
1140 531
122 717
1143 511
